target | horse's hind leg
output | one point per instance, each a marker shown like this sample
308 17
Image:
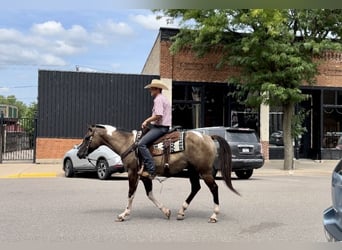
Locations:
133 180
210 181
195 187
148 188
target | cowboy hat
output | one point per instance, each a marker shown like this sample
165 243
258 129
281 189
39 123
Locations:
156 84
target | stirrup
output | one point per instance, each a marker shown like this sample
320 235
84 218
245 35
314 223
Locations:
147 175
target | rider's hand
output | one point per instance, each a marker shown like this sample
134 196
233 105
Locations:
144 124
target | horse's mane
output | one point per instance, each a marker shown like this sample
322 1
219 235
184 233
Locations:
123 130
98 126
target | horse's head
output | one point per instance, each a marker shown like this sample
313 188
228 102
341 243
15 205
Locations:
92 140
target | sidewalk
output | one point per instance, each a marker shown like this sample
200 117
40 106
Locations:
30 170
271 167
301 167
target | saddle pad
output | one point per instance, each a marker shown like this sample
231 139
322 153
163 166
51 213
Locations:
175 146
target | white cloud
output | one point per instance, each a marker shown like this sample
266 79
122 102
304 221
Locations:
152 23
110 31
86 69
49 28
49 43
4 89
8 35
118 28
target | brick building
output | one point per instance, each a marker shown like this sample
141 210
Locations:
200 97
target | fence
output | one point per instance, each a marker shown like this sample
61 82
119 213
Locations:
17 139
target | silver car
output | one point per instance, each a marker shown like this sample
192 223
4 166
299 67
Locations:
103 160
332 216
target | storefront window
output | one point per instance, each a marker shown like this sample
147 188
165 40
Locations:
329 97
332 130
186 105
276 126
339 98
332 118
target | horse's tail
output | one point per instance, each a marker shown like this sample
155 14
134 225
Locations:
225 161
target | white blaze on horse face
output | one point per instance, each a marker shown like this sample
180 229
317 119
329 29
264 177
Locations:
197 133
110 129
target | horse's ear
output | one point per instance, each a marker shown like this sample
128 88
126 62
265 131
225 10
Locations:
90 128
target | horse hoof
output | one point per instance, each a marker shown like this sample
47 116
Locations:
168 214
212 220
119 219
180 217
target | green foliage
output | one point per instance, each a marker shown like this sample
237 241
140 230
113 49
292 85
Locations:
12 100
276 51
297 121
24 111
29 112
273 48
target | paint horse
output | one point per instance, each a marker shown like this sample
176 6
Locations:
197 157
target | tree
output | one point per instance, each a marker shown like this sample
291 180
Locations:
12 100
276 51
28 112
24 111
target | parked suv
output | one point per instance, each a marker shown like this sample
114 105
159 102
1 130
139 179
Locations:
332 216
245 147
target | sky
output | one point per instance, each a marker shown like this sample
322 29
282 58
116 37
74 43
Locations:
93 37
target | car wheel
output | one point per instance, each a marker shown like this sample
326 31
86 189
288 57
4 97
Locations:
69 168
244 174
102 169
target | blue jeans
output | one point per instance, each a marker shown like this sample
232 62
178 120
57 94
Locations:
146 141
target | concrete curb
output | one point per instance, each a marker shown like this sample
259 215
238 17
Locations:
270 168
31 175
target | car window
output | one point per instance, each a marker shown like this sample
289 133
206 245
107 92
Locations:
339 141
241 137
338 168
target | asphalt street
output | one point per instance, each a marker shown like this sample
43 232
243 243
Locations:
273 208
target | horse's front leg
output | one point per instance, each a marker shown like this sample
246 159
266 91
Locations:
148 188
133 180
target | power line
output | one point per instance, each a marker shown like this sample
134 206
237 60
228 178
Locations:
22 87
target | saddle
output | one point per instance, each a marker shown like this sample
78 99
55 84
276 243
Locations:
172 142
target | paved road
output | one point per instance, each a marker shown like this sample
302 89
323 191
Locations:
272 208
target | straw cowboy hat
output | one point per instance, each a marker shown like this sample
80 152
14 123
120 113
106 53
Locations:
157 84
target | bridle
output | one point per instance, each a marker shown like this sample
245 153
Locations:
90 141
129 150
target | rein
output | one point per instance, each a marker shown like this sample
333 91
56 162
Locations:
129 150
133 146
91 161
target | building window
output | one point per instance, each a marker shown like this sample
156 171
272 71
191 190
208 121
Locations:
186 105
329 97
332 117
276 126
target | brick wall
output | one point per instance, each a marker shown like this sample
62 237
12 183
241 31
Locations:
330 69
54 148
166 60
186 66
265 149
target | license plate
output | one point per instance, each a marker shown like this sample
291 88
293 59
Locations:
245 150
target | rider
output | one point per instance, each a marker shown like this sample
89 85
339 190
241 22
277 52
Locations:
158 124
